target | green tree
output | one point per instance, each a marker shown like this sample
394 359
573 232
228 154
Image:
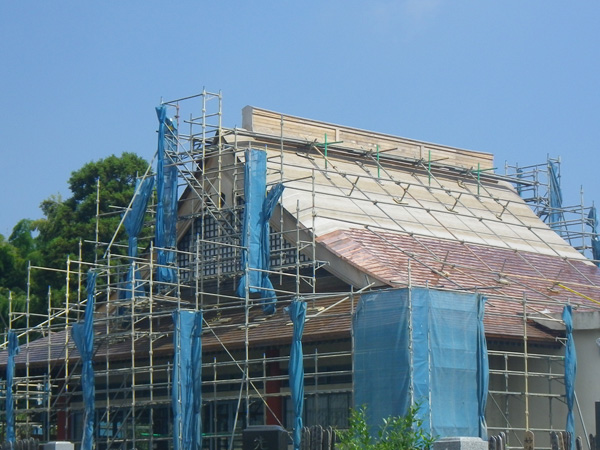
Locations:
68 221
18 303
395 433
14 254
22 237
48 242
8 263
23 240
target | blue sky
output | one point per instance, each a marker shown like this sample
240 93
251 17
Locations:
80 80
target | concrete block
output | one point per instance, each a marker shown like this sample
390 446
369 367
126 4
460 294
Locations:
59 445
460 443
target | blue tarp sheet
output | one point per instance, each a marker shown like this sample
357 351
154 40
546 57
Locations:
13 350
258 209
186 395
483 367
166 190
519 176
83 335
380 359
134 220
297 312
556 217
427 347
592 221
570 372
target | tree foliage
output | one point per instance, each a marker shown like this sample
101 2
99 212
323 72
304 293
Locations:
63 231
395 433
15 254
8 262
74 219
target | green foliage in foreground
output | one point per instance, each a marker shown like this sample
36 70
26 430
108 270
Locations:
398 433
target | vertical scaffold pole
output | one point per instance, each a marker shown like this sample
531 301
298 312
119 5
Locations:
107 329
179 431
298 248
325 151
133 377
410 336
151 354
525 357
67 335
48 381
429 167
220 152
97 231
314 241
79 273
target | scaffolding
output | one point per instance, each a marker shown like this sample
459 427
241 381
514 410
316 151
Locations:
540 187
243 384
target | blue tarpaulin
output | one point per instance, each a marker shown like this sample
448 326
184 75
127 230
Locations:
134 220
186 394
380 336
592 221
83 335
13 350
556 217
421 379
297 312
426 347
483 368
570 372
519 176
258 209
166 190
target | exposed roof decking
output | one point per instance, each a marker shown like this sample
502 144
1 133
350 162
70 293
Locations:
400 195
272 123
349 194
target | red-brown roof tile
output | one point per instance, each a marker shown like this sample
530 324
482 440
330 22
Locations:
505 276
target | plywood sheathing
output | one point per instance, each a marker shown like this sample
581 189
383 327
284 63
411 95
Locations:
348 194
263 121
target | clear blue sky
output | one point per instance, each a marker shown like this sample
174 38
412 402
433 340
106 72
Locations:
519 79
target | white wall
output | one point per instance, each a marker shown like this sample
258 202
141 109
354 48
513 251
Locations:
587 385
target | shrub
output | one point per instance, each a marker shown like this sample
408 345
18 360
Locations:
396 432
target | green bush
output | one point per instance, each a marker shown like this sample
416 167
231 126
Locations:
397 433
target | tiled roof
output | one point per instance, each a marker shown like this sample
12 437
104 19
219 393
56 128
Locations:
327 319
504 275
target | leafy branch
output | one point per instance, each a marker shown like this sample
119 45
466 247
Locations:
397 432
